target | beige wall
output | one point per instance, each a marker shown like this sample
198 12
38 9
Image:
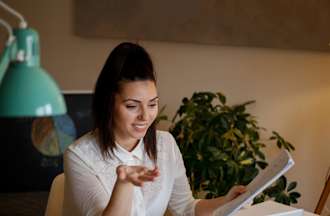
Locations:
292 88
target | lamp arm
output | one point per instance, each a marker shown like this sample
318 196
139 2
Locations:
23 23
4 62
9 50
11 37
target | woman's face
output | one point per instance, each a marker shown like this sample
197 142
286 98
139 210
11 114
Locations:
136 107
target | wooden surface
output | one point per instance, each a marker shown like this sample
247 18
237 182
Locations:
23 204
323 198
288 24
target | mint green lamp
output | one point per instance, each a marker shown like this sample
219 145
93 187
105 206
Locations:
26 89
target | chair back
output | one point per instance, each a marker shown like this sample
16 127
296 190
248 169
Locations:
56 196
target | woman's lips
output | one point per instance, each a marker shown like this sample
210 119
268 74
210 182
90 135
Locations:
140 127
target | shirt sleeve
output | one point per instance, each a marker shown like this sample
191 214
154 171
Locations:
181 201
83 194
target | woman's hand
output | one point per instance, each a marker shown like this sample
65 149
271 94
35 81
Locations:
234 192
136 175
207 206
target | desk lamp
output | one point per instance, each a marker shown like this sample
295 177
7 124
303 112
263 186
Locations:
26 89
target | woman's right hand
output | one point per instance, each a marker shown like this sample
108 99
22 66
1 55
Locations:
136 175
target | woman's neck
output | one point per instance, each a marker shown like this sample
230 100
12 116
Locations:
128 144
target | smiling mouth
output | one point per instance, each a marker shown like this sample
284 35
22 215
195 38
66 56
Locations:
140 126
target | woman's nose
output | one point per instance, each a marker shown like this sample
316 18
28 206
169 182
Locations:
143 114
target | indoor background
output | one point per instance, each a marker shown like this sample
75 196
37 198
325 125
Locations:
291 87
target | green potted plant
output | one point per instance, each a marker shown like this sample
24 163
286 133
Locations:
221 147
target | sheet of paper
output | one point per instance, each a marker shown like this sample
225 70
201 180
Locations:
280 165
270 208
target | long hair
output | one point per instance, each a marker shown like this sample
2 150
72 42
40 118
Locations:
127 62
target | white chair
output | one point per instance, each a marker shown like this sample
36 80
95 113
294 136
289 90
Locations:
56 196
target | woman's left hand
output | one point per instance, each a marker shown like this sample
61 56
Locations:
234 192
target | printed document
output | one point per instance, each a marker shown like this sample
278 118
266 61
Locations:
280 165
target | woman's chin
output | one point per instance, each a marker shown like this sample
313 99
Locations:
138 134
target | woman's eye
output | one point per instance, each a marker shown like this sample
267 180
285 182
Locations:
130 106
153 105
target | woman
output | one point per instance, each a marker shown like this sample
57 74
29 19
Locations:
124 166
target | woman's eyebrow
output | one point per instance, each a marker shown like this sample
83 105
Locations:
155 98
138 101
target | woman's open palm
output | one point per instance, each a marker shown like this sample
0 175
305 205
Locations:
136 175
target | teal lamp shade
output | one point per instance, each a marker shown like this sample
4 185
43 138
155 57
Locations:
26 89
29 91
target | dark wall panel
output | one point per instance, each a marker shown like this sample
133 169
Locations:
288 24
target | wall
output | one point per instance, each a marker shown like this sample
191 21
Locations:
292 88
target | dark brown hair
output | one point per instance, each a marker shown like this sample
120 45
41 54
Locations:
127 62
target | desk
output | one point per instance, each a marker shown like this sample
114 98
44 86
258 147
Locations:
23 203
271 208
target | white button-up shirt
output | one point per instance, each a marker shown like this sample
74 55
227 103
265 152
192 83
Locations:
89 179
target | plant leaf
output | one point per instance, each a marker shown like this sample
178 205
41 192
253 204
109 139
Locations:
292 186
222 98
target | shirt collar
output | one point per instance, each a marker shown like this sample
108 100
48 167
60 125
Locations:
125 155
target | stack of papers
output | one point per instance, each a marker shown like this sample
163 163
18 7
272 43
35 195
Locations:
280 165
